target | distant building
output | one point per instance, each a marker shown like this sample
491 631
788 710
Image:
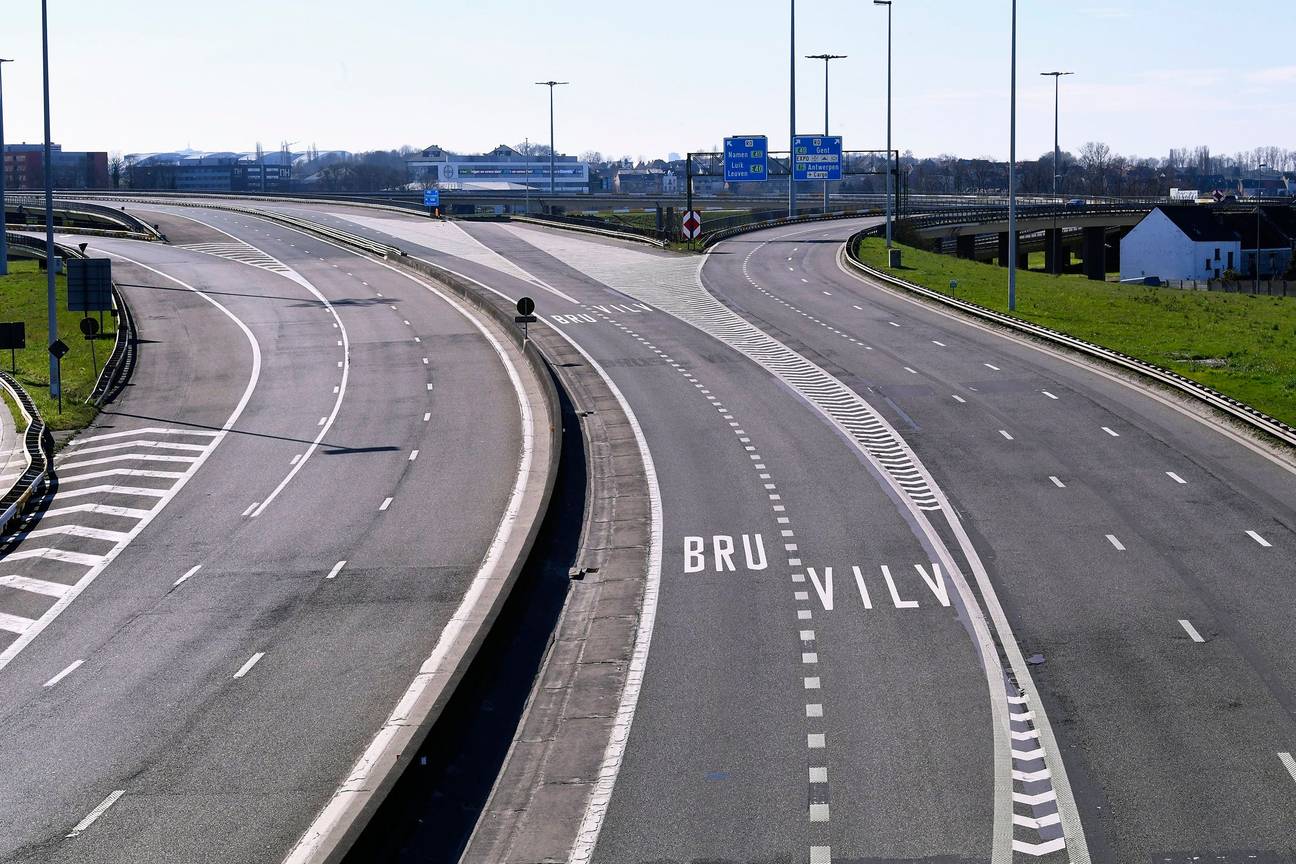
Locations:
209 172
502 169
24 167
1198 242
638 181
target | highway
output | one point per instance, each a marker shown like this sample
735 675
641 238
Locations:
1136 552
249 555
926 592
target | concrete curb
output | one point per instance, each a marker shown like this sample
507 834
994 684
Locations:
1256 421
590 229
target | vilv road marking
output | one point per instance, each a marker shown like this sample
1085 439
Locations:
247 667
72 667
1112 539
1256 537
1111 432
1175 477
991 366
1056 482
959 399
1192 631
1004 433
96 813
191 571
1048 394
385 504
337 568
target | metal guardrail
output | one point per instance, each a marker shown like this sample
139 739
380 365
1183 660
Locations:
1236 409
121 363
40 455
717 236
606 225
130 223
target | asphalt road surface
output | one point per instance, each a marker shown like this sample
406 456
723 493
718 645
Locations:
249 554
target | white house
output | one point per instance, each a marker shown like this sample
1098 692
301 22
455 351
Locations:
1195 242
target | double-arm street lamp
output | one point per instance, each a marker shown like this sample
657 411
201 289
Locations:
551 85
1057 153
826 58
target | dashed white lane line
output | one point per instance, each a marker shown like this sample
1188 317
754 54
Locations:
386 503
820 855
1056 482
991 366
1005 433
247 667
295 459
413 455
913 371
1256 537
1048 394
1111 538
191 571
71 667
959 399
1175 477
860 308
1192 631
427 415
893 324
251 507
337 568
816 741
1289 763
96 813
429 386
322 421
1111 432
936 342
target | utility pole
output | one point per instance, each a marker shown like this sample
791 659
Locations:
526 182
1012 173
1057 154
792 205
51 260
4 242
890 165
1258 214
551 85
826 58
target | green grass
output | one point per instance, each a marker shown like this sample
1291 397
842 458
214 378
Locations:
1241 345
22 298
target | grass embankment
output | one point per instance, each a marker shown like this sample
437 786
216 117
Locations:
1241 345
22 298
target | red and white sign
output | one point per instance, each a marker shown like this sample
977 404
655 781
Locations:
692 224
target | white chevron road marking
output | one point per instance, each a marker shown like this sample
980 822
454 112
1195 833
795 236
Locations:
1038 849
1034 800
36 586
1042 822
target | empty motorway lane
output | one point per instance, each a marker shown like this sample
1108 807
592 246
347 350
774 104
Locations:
249 554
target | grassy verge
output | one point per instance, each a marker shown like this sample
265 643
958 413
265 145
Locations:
22 298
1241 345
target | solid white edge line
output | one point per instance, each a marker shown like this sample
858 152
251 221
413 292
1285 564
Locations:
96 813
15 647
71 667
1191 630
357 780
247 667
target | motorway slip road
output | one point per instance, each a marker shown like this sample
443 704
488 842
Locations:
248 555
1134 551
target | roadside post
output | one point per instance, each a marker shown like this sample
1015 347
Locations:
13 335
90 329
58 349
525 308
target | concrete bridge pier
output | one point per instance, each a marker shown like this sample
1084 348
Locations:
965 246
1002 257
1095 253
1054 254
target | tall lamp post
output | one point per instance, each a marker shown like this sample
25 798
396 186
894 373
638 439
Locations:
1263 166
4 242
1057 153
792 207
826 58
890 169
551 85
1012 172
55 385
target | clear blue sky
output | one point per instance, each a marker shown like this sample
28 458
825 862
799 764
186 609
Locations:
135 75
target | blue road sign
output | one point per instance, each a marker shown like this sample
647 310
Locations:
431 197
817 157
746 159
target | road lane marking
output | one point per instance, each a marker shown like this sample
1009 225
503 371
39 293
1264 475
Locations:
1256 537
96 813
337 568
15 623
991 366
941 344
386 503
247 667
71 667
1111 432
814 709
191 571
893 324
322 421
1192 631
1048 394
1289 763
413 455
959 399
1056 482
1004 433
295 459
816 741
820 855
427 415
35 586
1175 477
818 812
250 508
913 371
1111 538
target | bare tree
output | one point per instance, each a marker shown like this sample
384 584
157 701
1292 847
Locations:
1095 156
116 168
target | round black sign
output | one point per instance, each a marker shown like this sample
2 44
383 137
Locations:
89 327
525 306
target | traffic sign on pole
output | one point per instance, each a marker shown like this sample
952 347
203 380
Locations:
817 157
431 197
692 224
746 159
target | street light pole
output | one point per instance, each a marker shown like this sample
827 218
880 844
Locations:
1258 212
1012 172
551 85
826 58
4 242
792 205
1057 153
890 167
55 385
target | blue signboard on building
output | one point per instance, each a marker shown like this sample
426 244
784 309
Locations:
817 157
431 197
746 159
